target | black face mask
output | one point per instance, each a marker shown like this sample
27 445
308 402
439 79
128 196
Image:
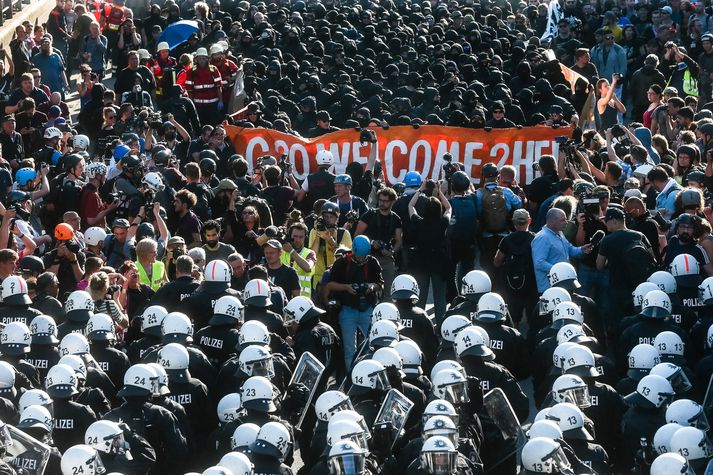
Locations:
685 238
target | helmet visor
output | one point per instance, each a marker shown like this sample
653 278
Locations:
578 396
347 464
680 382
118 444
439 463
558 461
381 381
345 405
264 368
96 466
456 393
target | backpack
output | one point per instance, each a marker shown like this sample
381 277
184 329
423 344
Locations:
494 215
518 266
463 218
639 262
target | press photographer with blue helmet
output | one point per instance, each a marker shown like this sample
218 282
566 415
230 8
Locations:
355 282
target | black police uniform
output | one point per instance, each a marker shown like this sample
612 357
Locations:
70 326
138 348
143 457
217 342
171 295
230 377
193 396
273 322
261 418
419 328
644 331
321 340
198 363
42 357
606 410
71 420
266 465
93 398
25 367
493 375
17 313
636 424
160 429
110 360
592 455
509 347
179 412
199 305
96 378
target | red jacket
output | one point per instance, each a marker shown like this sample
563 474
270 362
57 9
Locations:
203 85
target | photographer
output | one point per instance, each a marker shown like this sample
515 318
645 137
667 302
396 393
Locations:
355 281
590 215
66 260
106 291
383 227
325 238
279 197
126 185
175 248
302 259
171 135
350 207
116 247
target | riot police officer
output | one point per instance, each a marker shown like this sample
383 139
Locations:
257 300
14 345
43 346
78 307
151 320
199 305
120 449
100 332
219 339
15 306
415 321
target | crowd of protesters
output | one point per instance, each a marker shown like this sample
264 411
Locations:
162 298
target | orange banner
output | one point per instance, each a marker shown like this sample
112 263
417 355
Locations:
403 149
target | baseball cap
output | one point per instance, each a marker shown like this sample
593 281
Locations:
175 240
225 184
614 213
273 243
520 216
8 117
120 223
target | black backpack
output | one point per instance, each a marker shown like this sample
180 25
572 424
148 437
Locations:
518 266
639 262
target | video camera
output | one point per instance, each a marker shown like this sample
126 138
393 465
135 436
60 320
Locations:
279 233
351 217
589 204
284 164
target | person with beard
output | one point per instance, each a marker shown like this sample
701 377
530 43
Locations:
214 249
688 230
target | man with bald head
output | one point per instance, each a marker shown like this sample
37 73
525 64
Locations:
550 247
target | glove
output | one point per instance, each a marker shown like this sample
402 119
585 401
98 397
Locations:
475 393
220 105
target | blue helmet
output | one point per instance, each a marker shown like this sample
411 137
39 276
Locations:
25 175
120 151
343 179
361 246
413 180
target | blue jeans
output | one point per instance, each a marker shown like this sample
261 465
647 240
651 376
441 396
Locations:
351 320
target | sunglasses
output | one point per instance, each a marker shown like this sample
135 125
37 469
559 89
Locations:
498 112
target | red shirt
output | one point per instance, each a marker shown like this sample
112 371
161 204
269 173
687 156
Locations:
203 84
90 205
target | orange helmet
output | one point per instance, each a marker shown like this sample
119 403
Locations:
63 232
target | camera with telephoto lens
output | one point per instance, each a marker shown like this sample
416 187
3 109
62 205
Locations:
279 233
20 212
617 131
361 291
72 246
382 248
367 136
149 197
321 225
